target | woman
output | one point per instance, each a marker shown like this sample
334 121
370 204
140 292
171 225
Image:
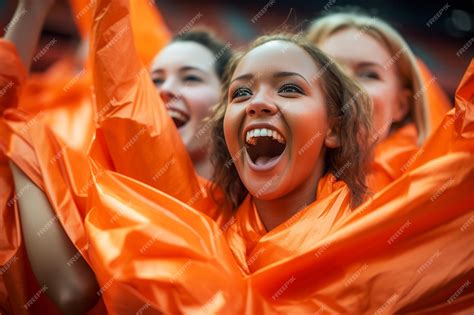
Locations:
376 55
188 74
278 254
48 122
286 143
64 163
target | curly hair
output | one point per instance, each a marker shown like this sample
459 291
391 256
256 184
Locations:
346 101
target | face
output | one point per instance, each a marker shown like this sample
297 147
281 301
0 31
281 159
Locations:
184 75
276 125
372 65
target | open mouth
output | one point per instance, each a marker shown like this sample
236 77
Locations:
179 118
264 146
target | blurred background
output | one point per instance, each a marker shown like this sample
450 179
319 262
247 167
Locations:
441 33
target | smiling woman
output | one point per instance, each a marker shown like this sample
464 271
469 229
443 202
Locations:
284 108
188 74
375 55
284 134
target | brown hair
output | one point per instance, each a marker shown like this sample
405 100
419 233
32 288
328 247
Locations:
346 101
222 51
409 74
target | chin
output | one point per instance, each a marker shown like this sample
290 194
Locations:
265 191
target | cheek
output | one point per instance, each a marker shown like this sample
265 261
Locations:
231 130
383 100
200 101
308 131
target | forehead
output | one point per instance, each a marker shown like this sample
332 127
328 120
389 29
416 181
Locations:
182 54
352 46
277 56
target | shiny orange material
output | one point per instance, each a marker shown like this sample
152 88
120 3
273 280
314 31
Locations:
407 249
149 28
436 97
47 125
394 155
43 131
135 128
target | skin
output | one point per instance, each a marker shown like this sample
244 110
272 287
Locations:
370 63
28 14
273 84
71 287
186 79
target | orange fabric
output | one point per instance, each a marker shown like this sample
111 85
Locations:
46 128
392 157
13 75
436 97
12 258
407 249
149 29
135 128
42 132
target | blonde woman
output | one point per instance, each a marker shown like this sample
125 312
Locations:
381 61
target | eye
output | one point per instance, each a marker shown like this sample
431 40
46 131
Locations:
158 81
241 92
192 78
372 75
291 88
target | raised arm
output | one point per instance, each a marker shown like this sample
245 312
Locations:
25 27
136 133
71 286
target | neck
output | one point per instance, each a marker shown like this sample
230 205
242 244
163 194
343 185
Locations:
204 167
276 211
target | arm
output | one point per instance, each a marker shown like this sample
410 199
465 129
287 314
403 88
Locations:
25 27
135 131
20 40
71 286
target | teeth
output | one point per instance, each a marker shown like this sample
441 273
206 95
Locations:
177 115
251 135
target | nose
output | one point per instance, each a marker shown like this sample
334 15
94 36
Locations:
168 91
261 105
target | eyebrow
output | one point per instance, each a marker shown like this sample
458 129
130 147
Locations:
187 68
282 74
243 77
183 69
289 74
368 64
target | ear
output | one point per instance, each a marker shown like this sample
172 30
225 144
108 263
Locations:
401 109
331 140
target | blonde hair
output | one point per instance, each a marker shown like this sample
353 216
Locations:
408 70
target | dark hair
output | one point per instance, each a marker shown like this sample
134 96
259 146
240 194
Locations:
222 51
346 102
